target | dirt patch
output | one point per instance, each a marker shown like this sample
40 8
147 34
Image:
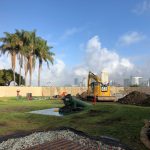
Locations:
110 121
77 117
93 112
15 109
82 96
136 98
3 124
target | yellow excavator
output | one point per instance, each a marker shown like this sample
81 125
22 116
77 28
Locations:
97 89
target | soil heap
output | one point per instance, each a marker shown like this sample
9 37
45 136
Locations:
136 98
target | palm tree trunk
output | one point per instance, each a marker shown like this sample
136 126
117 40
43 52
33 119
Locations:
39 73
25 78
30 78
26 71
20 76
14 77
21 64
13 63
30 69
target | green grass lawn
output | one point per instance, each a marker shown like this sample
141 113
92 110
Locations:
119 121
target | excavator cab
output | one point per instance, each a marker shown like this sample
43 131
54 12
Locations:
104 88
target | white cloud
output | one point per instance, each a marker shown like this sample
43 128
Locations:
70 32
142 7
5 62
58 75
58 67
80 71
98 58
131 38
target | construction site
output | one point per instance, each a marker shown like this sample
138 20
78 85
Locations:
95 117
74 75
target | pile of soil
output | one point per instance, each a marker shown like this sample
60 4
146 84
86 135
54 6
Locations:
82 96
136 98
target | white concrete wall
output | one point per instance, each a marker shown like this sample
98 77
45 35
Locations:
6 91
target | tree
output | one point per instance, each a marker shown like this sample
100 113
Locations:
42 53
23 50
27 46
26 53
10 42
6 77
20 35
29 53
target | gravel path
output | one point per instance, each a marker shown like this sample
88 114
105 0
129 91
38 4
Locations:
43 137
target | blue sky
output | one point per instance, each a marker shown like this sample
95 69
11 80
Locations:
123 27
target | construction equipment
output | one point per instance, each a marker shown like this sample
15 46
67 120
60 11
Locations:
97 89
73 104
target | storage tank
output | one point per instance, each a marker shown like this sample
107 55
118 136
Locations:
136 80
76 81
127 82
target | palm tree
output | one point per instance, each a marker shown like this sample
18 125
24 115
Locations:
42 53
27 46
27 52
20 35
24 39
30 53
10 42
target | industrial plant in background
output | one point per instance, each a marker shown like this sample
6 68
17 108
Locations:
136 81
80 82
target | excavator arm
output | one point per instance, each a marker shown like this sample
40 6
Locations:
91 77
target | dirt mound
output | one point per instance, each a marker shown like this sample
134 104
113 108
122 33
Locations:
82 96
136 98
